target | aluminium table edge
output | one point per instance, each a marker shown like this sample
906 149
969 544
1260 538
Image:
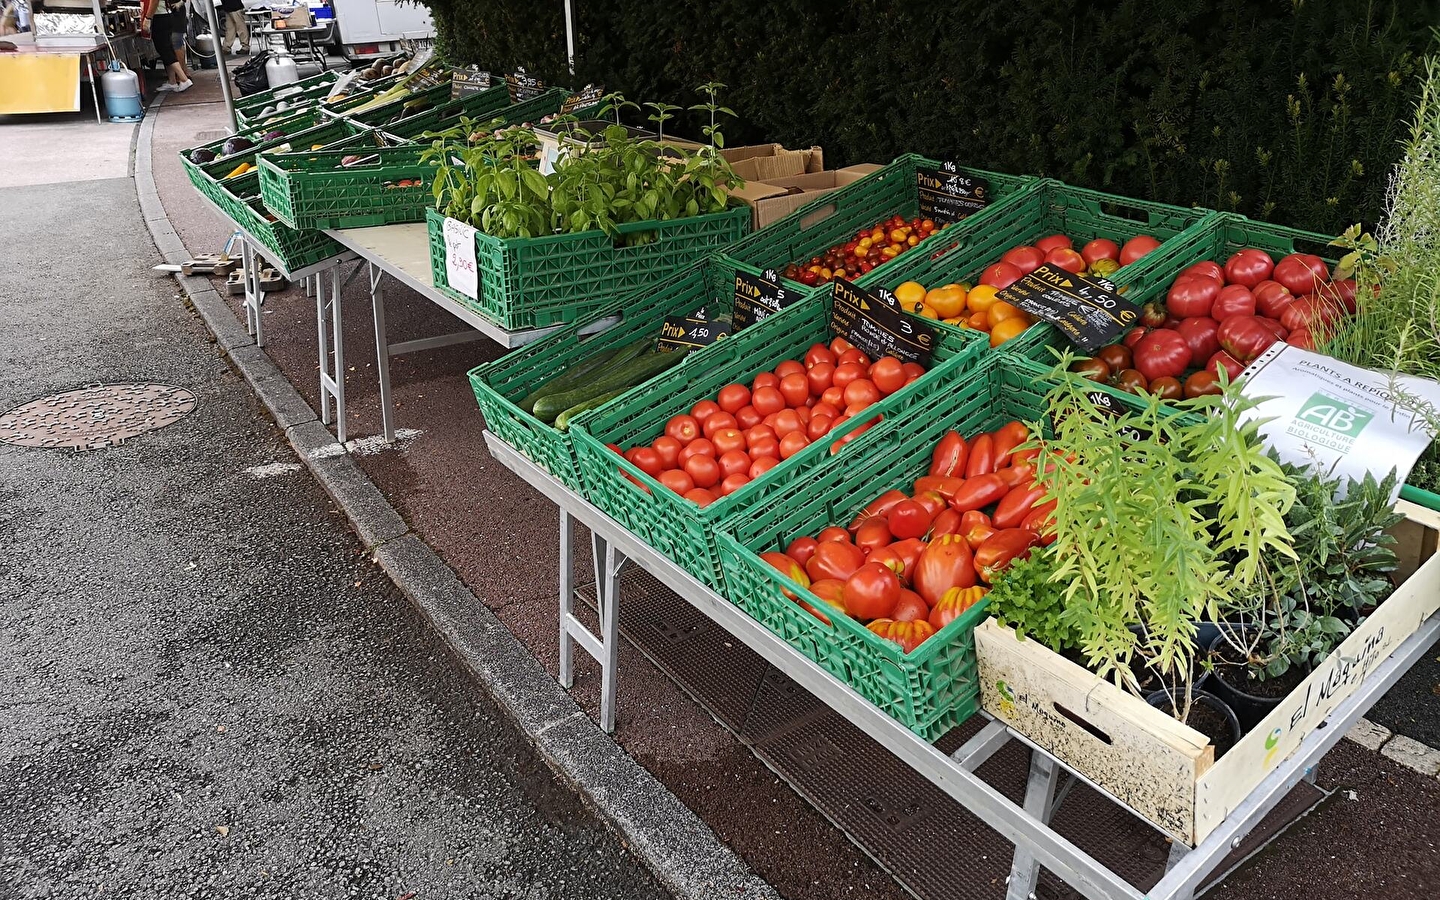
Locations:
1054 852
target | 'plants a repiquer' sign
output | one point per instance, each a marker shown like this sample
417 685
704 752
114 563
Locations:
949 195
583 99
1089 311
875 324
758 297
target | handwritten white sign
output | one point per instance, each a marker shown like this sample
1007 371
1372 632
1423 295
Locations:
460 268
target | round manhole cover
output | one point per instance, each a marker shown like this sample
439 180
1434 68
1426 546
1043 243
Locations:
94 417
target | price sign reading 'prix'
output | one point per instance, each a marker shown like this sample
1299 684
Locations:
589 96
691 332
465 82
949 195
1090 311
758 297
523 87
877 326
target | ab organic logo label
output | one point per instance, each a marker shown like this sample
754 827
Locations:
1329 422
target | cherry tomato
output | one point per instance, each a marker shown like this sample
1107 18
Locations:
704 410
795 388
703 469
669 450
683 428
888 374
767 400
793 443
733 398
677 481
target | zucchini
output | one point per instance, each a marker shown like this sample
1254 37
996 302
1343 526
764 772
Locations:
626 376
562 421
571 377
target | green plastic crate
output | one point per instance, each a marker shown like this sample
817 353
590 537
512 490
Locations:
556 279
249 105
293 249
1052 207
672 525
312 100
491 103
500 385
208 177
836 217
393 111
935 687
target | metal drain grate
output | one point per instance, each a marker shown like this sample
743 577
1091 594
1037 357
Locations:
211 134
95 417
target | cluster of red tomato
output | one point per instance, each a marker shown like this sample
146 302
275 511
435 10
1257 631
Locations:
1101 257
908 564
725 443
1217 317
871 247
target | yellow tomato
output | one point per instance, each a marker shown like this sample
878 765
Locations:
910 292
981 297
956 320
948 302
1007 329
928 311
1000 311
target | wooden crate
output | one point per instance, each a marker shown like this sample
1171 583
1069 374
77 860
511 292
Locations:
1165 771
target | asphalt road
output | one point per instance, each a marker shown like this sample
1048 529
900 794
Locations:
206 688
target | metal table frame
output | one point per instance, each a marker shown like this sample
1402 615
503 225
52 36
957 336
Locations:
1027 825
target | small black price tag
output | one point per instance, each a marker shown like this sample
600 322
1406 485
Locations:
691 332
875 324
759 297
523 87
1090 311
464 82
590 96
949 195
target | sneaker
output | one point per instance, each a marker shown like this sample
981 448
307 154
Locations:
184 86
167 86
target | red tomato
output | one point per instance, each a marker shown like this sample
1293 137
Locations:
1343 291
979 491
1067 259
909 519
1200 333
704 410
821 408
763 447
677 481
1016 505
818 427
1001 275
1312 313
733 398
1246 337
1301 273
759 431
1234 300
1206 267
698 447
801 549
873 535
1222 360
1301 338
945 564
1132 337
833 397
1271 298
704 470
728 440
1192 295
647 460
683 428
700 497
911 607
733 462
793 443
717 422
1100 248
818 353
861 392
1009 436
1249 267
832 533
948 522
767 400
1001 549
669 450
871 592
1281 332
1164 352
1025 258
1201 383
819 377
879 508
763 464
788 567
834 559
1053 242
747 417
732 483
908 635
955 602
981 460
795 388
838 346
950 455
846 373
1136 247
786 421
857 356
764 379
888 374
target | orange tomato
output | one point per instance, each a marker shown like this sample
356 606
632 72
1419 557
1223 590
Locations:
981 298
910 293
947 301
927 312
1000 311
1007 329
979 321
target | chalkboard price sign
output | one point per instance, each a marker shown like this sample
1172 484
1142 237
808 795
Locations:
1089 311
876 325
523 87
464 82
949 195
691 332
590 96
759 297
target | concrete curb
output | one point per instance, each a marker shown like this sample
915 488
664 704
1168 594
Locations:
682 851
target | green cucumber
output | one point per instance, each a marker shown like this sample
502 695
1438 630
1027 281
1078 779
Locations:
571 377
626 376
562 421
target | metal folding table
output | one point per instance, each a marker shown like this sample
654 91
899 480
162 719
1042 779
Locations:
1026 825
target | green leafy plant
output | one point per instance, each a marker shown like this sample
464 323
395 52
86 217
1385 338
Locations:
1028 597
663 112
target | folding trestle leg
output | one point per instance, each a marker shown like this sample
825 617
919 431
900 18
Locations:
332 351
605 649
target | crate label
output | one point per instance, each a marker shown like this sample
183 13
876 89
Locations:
523 87
583 99
460 269
691 332
759 297
949 195
465 82
1088 311
875 324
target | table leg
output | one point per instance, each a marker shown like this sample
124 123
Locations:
1039 805
254 295
607 600
382 350
332 382
567 598
90 67
1179 851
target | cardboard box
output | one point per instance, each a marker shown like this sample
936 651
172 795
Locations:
775 198
763 162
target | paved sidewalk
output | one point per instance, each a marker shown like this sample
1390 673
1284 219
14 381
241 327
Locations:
500 537
206 688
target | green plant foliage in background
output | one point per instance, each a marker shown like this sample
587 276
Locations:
1284 110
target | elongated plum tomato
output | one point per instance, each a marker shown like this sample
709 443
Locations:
871 592
1249 267
1136 247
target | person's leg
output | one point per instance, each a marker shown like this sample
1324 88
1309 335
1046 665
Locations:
242 28
161 37
180 56
229 32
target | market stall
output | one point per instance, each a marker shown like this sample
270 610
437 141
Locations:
55 51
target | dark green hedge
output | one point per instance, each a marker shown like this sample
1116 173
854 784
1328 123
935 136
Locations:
1287 111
